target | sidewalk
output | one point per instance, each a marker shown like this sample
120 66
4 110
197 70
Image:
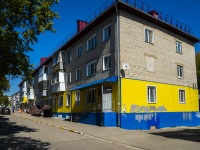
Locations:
165 139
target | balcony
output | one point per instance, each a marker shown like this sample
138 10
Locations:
31 97
58 87
42 85
42 93
59 66
43 77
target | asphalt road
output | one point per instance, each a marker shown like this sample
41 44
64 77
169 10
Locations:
17 133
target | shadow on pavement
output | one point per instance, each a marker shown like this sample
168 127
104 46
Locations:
8 140
22 143
186 134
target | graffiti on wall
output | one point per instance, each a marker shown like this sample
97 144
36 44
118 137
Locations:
137 108
187 116
197 115
145 117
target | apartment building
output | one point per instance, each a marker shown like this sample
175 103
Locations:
15 100
23 95
130 66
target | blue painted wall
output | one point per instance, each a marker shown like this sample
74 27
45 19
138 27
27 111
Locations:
144 121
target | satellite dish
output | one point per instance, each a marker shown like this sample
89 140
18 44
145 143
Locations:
125 66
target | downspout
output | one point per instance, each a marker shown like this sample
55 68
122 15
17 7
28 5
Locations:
71 105
118 63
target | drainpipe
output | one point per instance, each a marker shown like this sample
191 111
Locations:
102 119
118 62
71 104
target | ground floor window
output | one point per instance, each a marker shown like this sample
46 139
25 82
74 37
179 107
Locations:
91 95
78 97
60 101
181 96
151 91
68 99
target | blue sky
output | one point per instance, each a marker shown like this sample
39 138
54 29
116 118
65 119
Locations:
72 10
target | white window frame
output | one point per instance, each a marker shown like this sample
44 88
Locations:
78 74
179 71
92 41
69 77
93 95
182 98
109 61
78 50
149 35
60 101
68 102
78 97
149 100
106 32
178 47
88 72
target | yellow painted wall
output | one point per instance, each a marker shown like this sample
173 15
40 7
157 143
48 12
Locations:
84 107
24 99
134 92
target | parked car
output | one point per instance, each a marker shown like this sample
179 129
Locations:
44 111
5 111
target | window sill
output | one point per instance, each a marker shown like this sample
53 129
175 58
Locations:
104 40
182 102
180 77
106 69
151 102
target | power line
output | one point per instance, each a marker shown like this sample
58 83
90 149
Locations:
184 7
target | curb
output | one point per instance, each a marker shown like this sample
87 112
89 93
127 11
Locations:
52 125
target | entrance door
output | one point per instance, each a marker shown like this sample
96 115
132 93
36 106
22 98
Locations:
107 100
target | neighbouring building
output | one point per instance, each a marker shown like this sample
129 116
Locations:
15 100
23 95
129 66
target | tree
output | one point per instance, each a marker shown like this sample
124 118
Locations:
21 22
198 68
4 100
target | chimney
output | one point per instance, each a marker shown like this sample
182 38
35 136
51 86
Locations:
81 25
42 60
154 13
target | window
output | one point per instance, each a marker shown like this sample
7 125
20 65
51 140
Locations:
91 68
78 97
55 78
68 99
78 51
78 74
54 102
179 71
181 96
91 42
106 32
69 56
150 64
91 96
56 59
151 90
148 36
60 101
69 77
106 62
178 47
